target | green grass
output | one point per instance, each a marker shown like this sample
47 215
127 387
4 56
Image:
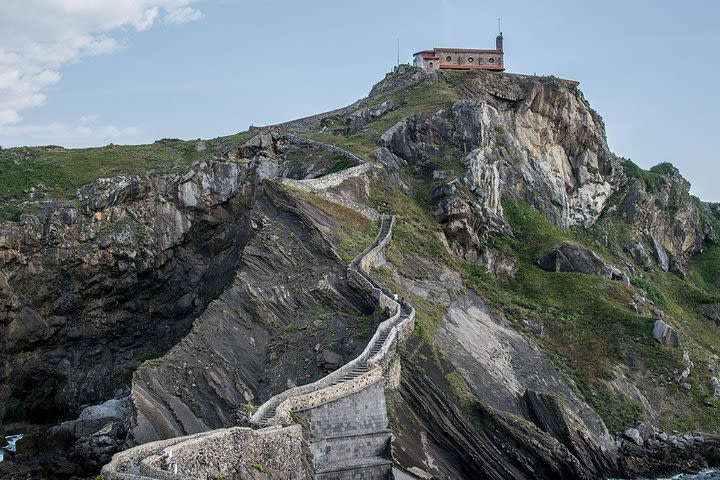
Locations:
423 98
63 171
356 231
588 327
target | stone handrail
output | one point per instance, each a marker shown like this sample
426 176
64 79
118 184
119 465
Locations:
333 179
310 394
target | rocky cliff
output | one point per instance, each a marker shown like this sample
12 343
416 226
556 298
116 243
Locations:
188 298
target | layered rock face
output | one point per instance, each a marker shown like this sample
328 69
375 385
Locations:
90 287
535 141
234 282
94 286
269 329
665 212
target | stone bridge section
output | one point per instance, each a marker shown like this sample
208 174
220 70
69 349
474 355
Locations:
333 429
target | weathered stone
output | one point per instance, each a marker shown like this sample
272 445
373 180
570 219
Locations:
676 269
634 435
614 273
603 240
639 255
329 360
533 327
359 119
389 160
572 258
107 192
660 254
646 431
665 334
711 312
715 386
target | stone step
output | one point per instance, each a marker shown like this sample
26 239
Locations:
354 464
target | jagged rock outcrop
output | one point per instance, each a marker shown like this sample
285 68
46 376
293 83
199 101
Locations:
441 441
654 453
534 141
359 119
88 293
665 212
236 285
711 312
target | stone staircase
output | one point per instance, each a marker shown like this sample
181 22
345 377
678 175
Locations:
344 416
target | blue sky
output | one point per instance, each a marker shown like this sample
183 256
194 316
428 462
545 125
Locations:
91 72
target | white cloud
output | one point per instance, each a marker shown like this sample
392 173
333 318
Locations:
87 129
183 15
37 38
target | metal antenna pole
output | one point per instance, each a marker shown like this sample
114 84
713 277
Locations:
499 31
398 51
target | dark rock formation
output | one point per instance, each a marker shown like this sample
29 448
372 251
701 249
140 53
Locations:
711 312
572 258
90 288
653 453
576 259
666 212
639 255
437 438
286 272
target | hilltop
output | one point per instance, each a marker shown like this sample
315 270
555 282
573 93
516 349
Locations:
562 293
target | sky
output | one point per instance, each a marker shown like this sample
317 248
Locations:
91 72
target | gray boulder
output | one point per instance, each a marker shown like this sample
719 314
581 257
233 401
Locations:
108 192
390 161
633 435
665 334
715 385
711 311
358 120
572 258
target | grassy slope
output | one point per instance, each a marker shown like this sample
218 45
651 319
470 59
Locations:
61 172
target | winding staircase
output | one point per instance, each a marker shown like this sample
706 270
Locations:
333 429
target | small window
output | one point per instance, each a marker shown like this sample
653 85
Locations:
492 60
448 58
431 65
471 59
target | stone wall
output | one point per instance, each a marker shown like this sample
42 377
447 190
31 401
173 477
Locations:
321 185
225 453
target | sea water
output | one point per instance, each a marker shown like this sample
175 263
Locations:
709 474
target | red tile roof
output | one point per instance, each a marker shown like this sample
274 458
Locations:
465 50
456 50
471 67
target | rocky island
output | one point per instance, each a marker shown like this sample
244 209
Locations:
453 277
